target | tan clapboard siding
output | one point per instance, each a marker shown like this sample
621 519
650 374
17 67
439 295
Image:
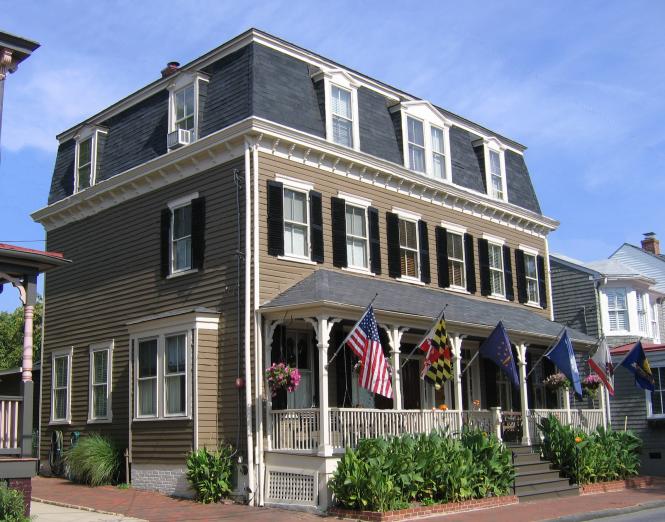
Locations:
115 278
208 376
278 275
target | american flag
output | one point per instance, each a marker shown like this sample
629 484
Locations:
365 342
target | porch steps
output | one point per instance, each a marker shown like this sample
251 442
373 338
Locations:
535 478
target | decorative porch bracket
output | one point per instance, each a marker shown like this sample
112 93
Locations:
524 397
395 334
270 327
456 341
323 326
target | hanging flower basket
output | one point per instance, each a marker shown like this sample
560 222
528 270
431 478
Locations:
280 376
557 381
590 385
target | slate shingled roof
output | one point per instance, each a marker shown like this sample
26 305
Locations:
334 287
257 80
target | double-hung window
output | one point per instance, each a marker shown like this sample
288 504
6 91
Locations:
497 286
162 376
342 116
531 276
84 164
456 267
438 153
408 244
496 177
656 398
89 143
181 238
642 313
356 237
655 333
61 368
416 139
184 106
296 225
617 309
100 382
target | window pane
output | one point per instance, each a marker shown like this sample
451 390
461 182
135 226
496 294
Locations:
409 263
183 250
100 366
356 252
342 131
495 163
85 152
416 158
295 206
437 140
148 358
355 221
61 371
407 234
175 354
84 177
497 282
341 102
295 240
180 105
530 266
148 397
175 394
455 249
60 407
100 401
189 100
495 256
182 222
438 166
415 131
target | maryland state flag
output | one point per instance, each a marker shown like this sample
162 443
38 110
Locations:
438 362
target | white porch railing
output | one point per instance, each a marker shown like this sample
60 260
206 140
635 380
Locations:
296 430
9 424
587 420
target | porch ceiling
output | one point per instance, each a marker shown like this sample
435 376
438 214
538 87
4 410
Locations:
333 289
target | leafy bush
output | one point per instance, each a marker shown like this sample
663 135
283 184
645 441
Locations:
384 475
601 456
210 473
94 460
11 505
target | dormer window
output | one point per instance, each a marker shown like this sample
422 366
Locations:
493 156
342 116
88 145
184 94
337 91
426 140
495 175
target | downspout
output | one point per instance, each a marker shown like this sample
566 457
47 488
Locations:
130 407
550 302
248 369
195 386
258 341
41 373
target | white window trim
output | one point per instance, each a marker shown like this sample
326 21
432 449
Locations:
430 117
173 205
494 239
494 294
361 269
180 82
606 309
86 133
454 227
343 80
457 231
530 252
160 336
413 218
294 183
354 200
308 224
100 347
407 214
496 146
647 395
69 353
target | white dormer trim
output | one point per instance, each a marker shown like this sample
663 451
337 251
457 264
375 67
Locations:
493 144
342 80
87 132
182 80
430 117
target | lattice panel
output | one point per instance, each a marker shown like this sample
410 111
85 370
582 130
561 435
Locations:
291 488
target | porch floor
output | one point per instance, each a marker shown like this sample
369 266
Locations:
157 507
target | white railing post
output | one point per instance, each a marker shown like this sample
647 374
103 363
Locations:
602 404
457 375
524 397
566 405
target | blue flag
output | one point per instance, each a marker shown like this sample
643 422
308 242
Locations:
563 356
497 348
636 362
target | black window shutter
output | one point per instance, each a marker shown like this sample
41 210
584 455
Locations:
374 240
198 232
275 219
542 286
484 262
441 236
338 218
316 226
470 260
522 296
424 252
392 231
165 242
508 273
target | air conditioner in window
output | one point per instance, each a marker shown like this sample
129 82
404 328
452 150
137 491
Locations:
178 138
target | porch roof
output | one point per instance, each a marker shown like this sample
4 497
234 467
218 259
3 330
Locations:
327 287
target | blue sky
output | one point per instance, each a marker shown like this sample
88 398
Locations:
580 83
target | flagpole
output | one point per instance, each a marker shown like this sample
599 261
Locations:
438 318
468 365
556 340
352 329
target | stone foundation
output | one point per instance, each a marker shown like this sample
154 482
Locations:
164 478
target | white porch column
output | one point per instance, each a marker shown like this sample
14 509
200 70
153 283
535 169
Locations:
395 337
524 397
270 327
566 405
602 404
456 341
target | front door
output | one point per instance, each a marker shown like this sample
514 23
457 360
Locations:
300 354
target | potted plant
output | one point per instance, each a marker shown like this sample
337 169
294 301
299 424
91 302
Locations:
281 376
557 381
590 385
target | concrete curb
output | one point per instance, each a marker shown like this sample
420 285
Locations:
84 508
593 515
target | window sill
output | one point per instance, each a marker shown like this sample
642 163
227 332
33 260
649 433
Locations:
303 260
356 270
534 305
182 273
162 419
100 421
497 297
412 280
458 290
60 423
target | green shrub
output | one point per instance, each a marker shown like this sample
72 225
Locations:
210 473
384 475
11 505
600 456
94 460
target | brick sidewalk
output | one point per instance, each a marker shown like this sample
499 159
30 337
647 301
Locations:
159 508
